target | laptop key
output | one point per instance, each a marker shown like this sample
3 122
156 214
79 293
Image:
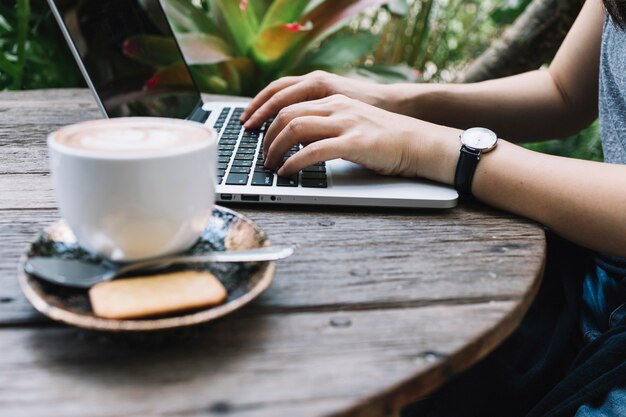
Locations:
221 172
315 168
242 163
263 179
287 182
223 160
313 175
240 170
245 157
222 166
314 183
219 179
237 179
244 145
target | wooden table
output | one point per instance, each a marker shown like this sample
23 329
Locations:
376 308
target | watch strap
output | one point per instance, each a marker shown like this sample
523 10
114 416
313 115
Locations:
465 169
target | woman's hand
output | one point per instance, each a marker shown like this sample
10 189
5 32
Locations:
316 85
340 127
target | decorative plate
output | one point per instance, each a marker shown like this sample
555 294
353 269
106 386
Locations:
226 230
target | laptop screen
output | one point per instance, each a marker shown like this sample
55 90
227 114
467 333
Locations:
131 58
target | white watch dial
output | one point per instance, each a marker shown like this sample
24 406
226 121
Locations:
479 138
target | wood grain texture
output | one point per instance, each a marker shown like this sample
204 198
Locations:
244 365
397 285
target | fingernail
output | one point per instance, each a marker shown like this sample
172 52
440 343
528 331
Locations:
281 172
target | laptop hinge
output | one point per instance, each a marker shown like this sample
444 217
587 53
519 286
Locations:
198 114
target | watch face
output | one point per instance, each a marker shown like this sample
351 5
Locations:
479 138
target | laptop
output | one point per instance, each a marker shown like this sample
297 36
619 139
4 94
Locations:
105 37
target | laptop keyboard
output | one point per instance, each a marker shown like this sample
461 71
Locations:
240 157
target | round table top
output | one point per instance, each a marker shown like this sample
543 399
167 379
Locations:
377 308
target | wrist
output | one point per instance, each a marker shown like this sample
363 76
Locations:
438 152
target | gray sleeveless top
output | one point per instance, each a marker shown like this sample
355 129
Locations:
604 306
613 93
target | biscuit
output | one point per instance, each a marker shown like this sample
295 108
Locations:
156 294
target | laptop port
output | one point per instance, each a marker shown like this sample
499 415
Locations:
250 197
226 196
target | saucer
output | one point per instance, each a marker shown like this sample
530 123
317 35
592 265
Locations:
226 230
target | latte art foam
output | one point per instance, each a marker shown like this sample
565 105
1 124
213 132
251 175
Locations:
132 137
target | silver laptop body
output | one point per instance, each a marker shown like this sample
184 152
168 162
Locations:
101 35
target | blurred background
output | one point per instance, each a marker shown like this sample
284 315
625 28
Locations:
238 46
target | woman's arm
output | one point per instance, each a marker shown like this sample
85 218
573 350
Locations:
583 201
543 104
533 106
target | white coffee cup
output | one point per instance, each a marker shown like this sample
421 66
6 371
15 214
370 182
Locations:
134 188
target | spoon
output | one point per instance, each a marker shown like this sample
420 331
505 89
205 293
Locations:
80 274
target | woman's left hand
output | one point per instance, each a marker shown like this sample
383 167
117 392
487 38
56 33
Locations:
340 127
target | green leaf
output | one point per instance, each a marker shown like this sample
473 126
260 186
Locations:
282 47
8 67
260 8
153 50
332 15
241 22
183 14
23 16
284 11
343 50
200 49
225 77
273 44
8 14
398 7
507 15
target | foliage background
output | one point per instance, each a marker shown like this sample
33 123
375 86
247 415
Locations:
427 39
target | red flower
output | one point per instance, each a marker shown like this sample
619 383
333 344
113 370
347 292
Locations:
243 5
128 47
297 27
152 82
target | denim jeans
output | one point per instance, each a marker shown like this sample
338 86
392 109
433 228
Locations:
613 405
604 309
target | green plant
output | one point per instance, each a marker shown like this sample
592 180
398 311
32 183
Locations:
33 53
438 37
584 145
239 46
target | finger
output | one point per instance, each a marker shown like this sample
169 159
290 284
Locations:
309 108
300 130
296 93
322 150
266 93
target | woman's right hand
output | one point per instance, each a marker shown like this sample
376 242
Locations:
313 86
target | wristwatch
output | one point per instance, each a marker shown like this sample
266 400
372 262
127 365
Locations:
474 142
